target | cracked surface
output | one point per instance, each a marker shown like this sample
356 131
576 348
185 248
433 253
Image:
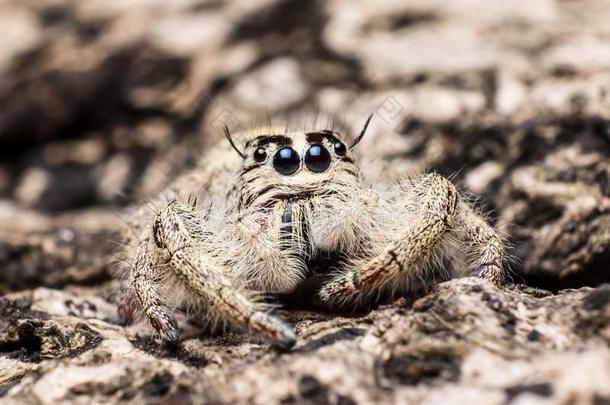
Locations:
103 103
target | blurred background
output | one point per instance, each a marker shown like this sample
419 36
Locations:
103 102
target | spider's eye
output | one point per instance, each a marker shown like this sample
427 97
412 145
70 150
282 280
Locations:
317 158
286 161
260 155
340 149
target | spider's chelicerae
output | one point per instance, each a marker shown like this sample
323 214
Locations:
254 219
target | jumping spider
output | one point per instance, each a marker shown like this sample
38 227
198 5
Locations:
256 220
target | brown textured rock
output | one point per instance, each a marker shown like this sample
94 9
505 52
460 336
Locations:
102 103
465 339
561 214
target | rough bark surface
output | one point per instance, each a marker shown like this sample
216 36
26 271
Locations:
102 103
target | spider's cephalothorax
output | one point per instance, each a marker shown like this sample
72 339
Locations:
266 214
305 192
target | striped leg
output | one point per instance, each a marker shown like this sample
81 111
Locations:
481 246
188 251
409 256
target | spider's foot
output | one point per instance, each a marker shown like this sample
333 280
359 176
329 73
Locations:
339 290
171 337
166 326
125 310
274 329
491 272
288 340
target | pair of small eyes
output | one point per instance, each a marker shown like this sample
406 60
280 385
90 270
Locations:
286 161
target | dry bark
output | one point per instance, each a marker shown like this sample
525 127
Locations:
102 103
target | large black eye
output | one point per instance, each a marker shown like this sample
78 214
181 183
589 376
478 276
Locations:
260 155
317 158
286 161
340 149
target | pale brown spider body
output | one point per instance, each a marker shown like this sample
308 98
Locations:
252 222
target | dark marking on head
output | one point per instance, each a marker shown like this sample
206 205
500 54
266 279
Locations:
320 136
251 197
264 140
301 195
249 168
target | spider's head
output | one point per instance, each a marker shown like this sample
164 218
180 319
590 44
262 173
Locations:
298 163
297 155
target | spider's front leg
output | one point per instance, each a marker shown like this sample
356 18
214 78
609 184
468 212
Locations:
442 223
190 255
